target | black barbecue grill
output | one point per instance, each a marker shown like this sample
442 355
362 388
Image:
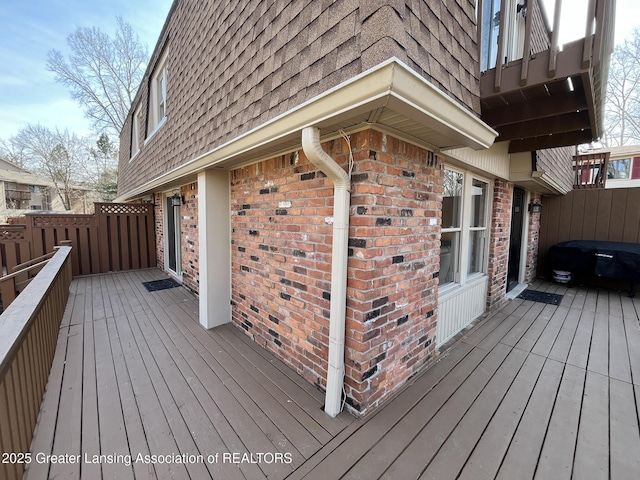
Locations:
604 259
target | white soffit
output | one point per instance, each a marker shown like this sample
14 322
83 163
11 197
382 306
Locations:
389 95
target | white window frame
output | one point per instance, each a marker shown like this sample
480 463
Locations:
136 123
158 95
461 261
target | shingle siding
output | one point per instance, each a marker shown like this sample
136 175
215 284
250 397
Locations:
556 162
235 65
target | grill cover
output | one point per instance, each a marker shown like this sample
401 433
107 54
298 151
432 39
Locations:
592 257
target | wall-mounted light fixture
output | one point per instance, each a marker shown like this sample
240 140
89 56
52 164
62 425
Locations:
535 207
177 199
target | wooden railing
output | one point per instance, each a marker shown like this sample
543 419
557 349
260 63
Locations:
14 283
598 35
28 337
590 171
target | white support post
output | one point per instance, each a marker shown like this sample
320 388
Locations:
214 237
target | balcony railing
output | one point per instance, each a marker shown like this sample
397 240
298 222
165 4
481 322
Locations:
590 171
28 336
17 195
535 92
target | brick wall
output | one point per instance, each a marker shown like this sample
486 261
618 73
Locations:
232 67
533 240
499 244
189 230
281 261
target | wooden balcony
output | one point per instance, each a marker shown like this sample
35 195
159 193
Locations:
590 170
17 195
534 390
552 97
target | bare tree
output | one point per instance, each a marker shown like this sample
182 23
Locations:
622 108
58 156
11 152
102 73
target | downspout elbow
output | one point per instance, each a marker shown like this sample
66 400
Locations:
316 155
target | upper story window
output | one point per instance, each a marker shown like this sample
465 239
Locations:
464 241
511 34
620 168
136 129
158 95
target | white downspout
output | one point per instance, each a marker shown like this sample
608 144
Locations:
339 251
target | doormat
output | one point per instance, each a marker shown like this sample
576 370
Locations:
156 285
542 297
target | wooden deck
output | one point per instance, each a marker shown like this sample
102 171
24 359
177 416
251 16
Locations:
535 391
134 373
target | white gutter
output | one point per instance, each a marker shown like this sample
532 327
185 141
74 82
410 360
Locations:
339 251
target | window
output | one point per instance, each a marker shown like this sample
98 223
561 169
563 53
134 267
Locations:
158 95
619 168
511 34
451 226
136 129
465 208
477 226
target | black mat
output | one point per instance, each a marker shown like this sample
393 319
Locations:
542 297
160 284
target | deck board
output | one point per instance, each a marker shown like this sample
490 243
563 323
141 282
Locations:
532 391
623 427
135 373
592 448
522 455
426 444
492 446
453 454
556 457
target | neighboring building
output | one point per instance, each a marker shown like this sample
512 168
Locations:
622 165
350 180
22 192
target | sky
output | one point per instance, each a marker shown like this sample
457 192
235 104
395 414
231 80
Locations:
30 28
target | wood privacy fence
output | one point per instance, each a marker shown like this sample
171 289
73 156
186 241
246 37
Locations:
117 237
28 336
590 214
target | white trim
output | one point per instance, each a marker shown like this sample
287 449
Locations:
162 122
390 86
165 225
459 307
461 263
135 131
525 238
214 240
160 74
517 290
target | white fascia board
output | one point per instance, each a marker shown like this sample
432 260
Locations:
390 84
